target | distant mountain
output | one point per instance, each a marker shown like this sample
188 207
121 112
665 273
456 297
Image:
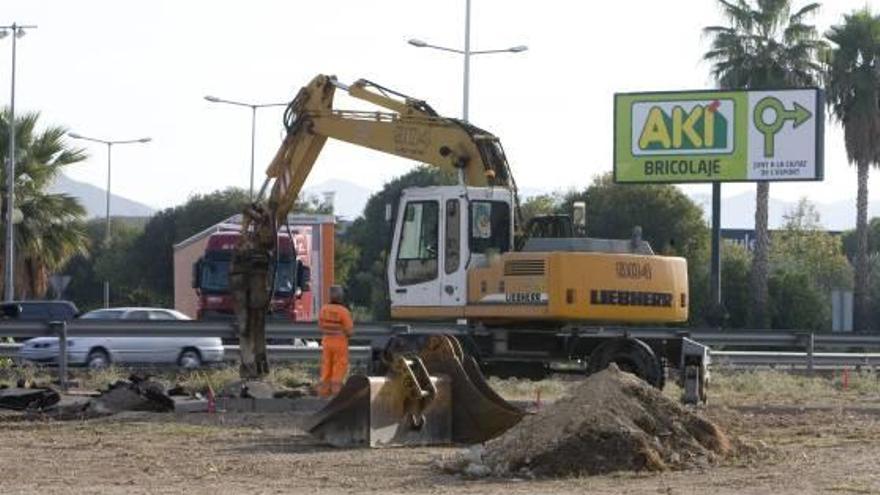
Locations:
94 199
738 212
349 198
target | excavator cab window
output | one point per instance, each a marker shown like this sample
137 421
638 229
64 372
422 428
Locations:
490 226
417 253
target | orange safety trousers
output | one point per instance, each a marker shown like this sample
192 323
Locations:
334 364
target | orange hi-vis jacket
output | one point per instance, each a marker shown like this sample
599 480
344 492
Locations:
335 319
336 325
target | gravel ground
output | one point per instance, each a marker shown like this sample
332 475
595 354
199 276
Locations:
817 450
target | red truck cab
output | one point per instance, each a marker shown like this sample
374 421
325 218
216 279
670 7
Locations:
290 273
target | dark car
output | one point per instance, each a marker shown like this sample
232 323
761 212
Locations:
40 310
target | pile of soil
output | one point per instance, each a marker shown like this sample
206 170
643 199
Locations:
612 421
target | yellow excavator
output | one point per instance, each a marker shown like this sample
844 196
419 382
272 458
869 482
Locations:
460 255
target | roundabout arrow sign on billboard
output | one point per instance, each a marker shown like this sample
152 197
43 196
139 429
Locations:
719 136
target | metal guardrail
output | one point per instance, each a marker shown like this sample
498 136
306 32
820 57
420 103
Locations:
376 332
827 360
290 353
365 331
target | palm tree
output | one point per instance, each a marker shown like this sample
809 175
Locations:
51 230
853 94
764 46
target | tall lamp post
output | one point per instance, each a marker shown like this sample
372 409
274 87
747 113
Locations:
17 31
107 226
253 107
467 52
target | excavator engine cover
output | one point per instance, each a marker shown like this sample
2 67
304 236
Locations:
401 409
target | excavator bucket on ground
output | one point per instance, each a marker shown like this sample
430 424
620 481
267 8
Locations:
436 397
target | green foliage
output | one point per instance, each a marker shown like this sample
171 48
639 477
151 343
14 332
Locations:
345 259
736 263
764 45
802 245
853 83
853 93
807 263
797 304
106 261
542 204
874 289
51 231
849 239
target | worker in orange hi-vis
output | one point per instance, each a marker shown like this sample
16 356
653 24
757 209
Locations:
336 328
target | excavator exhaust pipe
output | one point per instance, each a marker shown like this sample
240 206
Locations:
436 397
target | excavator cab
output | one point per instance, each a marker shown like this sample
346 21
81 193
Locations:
439 234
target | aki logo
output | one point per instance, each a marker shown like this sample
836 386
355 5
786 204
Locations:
770 116
683 127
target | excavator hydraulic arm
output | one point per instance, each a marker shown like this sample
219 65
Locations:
407 127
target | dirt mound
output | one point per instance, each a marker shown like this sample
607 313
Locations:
612 421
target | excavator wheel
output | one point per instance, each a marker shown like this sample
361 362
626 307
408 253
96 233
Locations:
630 355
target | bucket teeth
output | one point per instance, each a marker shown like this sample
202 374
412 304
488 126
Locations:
439 397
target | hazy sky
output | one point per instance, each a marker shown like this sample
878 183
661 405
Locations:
128 69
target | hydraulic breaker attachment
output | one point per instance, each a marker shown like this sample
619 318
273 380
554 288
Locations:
406 407
439 397
249 282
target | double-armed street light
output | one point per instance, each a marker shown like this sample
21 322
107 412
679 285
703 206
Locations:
17 31
253 107
467 52
109 144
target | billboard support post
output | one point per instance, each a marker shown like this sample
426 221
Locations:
715 273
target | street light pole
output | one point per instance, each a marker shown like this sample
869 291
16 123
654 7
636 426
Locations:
107 218
467 60
467 52
253 145
253 107
9 285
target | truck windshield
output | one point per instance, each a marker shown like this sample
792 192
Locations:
215 277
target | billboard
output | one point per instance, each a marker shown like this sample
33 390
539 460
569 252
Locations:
719 136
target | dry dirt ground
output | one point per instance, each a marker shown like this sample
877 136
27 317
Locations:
814 451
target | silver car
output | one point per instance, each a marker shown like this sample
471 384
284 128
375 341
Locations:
99 352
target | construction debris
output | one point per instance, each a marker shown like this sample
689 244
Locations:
22 398
135 394
612 421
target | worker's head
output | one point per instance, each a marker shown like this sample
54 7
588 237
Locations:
337 294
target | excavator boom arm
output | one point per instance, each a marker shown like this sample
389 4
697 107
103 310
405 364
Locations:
407 127
411 129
